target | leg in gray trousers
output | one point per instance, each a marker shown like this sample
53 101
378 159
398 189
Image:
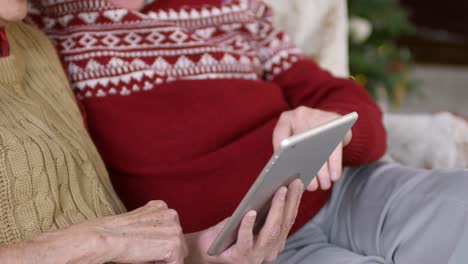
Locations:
385 213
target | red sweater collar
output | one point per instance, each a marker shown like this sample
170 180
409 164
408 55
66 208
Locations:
4 47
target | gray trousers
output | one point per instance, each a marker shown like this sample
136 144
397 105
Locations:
384 213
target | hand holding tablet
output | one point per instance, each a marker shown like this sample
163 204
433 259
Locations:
299 157
301 119
248 248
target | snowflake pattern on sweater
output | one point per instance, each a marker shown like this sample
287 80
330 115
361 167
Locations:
109 50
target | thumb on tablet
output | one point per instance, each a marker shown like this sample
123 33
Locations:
283 130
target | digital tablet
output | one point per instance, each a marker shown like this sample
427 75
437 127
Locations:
300 156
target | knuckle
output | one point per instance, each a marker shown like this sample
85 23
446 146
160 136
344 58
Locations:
172 214
284 115
157 204
300 114
274 233
301 108
301 111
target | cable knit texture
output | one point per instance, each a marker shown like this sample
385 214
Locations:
51 175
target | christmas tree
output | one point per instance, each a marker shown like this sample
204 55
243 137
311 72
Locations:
376 61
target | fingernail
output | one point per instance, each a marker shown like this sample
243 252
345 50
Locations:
252 214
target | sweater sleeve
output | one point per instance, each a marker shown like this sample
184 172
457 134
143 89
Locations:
308 85
304 83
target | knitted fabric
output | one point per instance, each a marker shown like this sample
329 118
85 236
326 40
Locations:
164 45
51 175
182 97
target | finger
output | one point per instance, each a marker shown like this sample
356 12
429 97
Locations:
150 212
335 163
153 209
186 251
217 228
282 246
156 218
348 137
282 130
300 124
180 259
173 252
314 185
271 231
324 177
245 237
185 246
293 200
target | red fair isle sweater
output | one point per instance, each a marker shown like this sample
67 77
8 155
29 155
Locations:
182 98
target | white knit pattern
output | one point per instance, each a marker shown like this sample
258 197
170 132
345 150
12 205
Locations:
135 51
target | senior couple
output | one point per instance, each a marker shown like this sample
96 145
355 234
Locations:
185 101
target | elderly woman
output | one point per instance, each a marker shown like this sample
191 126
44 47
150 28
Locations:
52 180
56 199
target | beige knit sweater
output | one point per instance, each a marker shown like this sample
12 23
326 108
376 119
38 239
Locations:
51 175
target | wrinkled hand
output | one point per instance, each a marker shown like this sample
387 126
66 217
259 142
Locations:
250 249
301 119
151 233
